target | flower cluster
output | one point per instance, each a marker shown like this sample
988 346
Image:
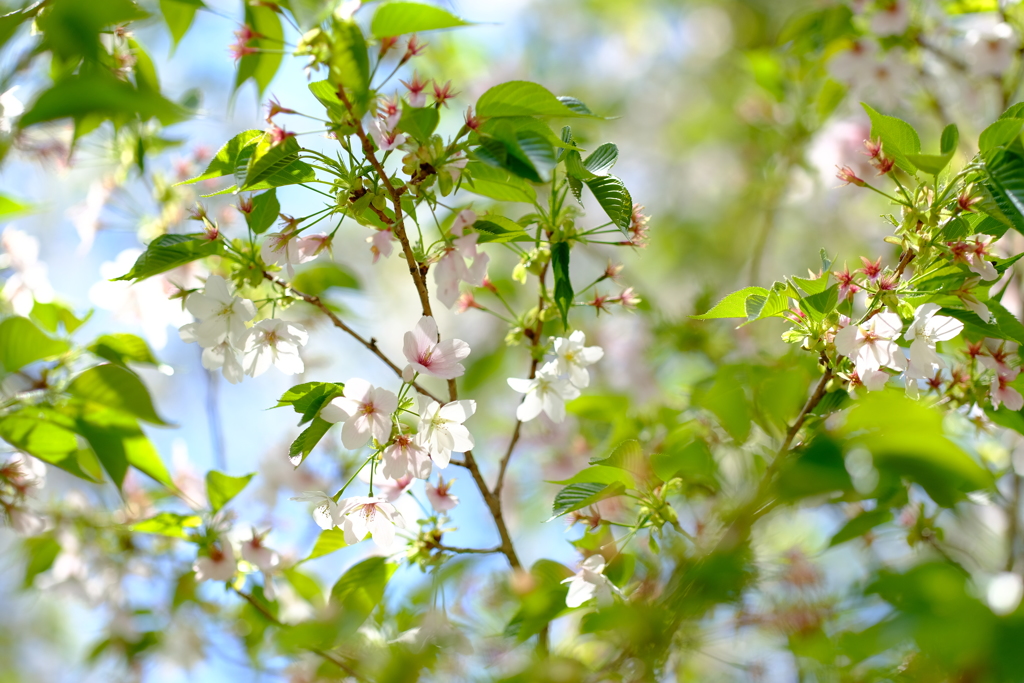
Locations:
557 381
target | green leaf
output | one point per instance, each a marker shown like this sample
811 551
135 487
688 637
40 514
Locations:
265 209
563 285
319 279
308 439
262 65
819 305
936 163
326 543
399 18
294 173
419 122
22 343
170 251
39 552
52 315
812 286
118 441
497 228
221 488
11 207
327 94
122 349
898 138
860 525
307 399
226 160
36 434
600 474
94 95
628 456
350 66
614 198
814 470
524 152
497 183
602 159
1003 187
577 496
999 134
267 159
575 105
178 15
359 590
521 98
949 140
117 388
732 306
168 524
771 305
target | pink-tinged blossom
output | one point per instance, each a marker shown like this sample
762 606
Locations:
873 380
431 357
924 333
25 522
326 513
389 111
451 269
221 315
573 358
440 499
464 219
263 558
417 96
854 63
1003 393
405 457
275 342
455 165
219 565
373 516
891 18
381 244
589 582
847 285
290 248
365 410
990 50
388 488
441 429
221 356
871 344
386 138
546 392
996 358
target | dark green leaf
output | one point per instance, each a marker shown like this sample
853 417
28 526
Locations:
22 343
170 251
614 198
399 18
117 388
221 488
602 159
578 496
563 285
1003 187
497 228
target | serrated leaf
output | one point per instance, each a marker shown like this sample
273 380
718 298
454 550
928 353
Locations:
733 305
898 138
167 252
629 456
496 183
612 195
117 388
307 440
819 305
268 159
168 524
225 161
578 496
563 285
265 209
602 159
1003 187
498 229
419 122
326 543
22 343
262 65
522 98
999 134
399 18
575 105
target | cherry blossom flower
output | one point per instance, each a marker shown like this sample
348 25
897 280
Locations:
431 357
222 316
436 629
854 63
218 565
924 333
995 358
365 410
1003 393
25 473
326 513
222 356
547 392
291 248
990 50
389 111
374 516
388 488
10 108
573 358
451 268
870 345
381 244
405 457
417 96
386 138
28 283
455 165
86 216
892 18
873 380
275 342
589 582
464 219
441 428
263 558
439 498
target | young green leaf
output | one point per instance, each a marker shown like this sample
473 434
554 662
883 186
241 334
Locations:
497 228
170 251
399 18
95 95
121 349
168 524
221 488
602 159
21 343
563 285
115 387
326 543
578 496
178 15
522 98
898 138
308 439
265 209
733 305
226 160
419 122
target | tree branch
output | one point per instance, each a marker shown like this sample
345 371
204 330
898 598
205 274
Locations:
469 551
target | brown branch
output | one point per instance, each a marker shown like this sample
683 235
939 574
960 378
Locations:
468 551
371 343
269 616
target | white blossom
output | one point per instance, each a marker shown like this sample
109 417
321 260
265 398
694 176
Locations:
892 18
589 582
374 516
870 345
432 357
465 218
10 108
405 456
441 428
1002 392
290 248
924 333
274 342
28 282
573 358
546 392
221 315
990 50
440 499
387 139
451 269
365 410
219 565
222 356
326 513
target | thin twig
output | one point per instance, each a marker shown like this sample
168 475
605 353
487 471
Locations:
469 551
